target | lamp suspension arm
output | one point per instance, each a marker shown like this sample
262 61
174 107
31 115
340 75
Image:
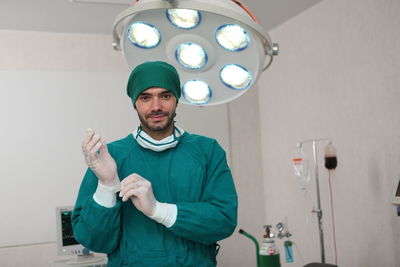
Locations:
271 58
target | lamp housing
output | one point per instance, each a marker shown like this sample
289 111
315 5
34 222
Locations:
251 48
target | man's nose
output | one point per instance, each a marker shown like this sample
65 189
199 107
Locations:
156 104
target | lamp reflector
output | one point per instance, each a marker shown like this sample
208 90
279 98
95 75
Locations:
144 35
235 76
191 55
232 37
183 18
196 92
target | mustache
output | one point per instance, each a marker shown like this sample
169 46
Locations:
157 113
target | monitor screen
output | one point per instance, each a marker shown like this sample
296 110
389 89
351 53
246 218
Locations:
67 235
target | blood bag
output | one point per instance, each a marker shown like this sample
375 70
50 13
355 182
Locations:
330 157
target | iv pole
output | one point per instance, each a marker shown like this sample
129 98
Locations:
318 210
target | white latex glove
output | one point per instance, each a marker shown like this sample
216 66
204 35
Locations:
139 190
102 164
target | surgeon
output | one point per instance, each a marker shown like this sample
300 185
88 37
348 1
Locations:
161 196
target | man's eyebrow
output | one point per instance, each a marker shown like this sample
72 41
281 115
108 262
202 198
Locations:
143 93
149 94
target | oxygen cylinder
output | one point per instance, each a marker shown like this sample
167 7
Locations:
268 254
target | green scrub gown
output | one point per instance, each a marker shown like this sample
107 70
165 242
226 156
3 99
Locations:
194 175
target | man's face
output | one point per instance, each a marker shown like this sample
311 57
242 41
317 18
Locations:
156 110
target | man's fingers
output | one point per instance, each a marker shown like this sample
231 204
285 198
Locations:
134 177
131 193
88 137
125 187
128 180
88 144
93 142
138 187
94 149
103 146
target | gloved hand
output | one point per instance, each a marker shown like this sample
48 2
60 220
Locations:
102 164
139 190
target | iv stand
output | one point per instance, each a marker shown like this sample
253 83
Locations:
319 210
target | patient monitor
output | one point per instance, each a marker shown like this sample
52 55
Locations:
68 245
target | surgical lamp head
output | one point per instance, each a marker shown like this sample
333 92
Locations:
217 47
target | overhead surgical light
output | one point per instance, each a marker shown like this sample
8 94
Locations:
191 56
232 37
184 18
217 46
196 92
143 35
235 77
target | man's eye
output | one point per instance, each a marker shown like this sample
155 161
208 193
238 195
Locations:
166 96
144 97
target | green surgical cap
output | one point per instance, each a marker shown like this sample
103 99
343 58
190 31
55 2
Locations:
153 74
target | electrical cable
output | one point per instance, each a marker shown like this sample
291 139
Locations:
333 218
245 8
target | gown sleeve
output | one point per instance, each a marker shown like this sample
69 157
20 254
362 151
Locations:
215 216
94 226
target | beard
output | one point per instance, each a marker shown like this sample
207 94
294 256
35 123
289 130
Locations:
157 127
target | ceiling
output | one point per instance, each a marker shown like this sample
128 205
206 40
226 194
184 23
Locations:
71 17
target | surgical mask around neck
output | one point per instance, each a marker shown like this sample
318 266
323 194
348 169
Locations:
146 141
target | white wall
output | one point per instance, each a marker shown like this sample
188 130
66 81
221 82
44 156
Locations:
45 117
337 76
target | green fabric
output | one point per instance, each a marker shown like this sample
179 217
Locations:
194 175
153 74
